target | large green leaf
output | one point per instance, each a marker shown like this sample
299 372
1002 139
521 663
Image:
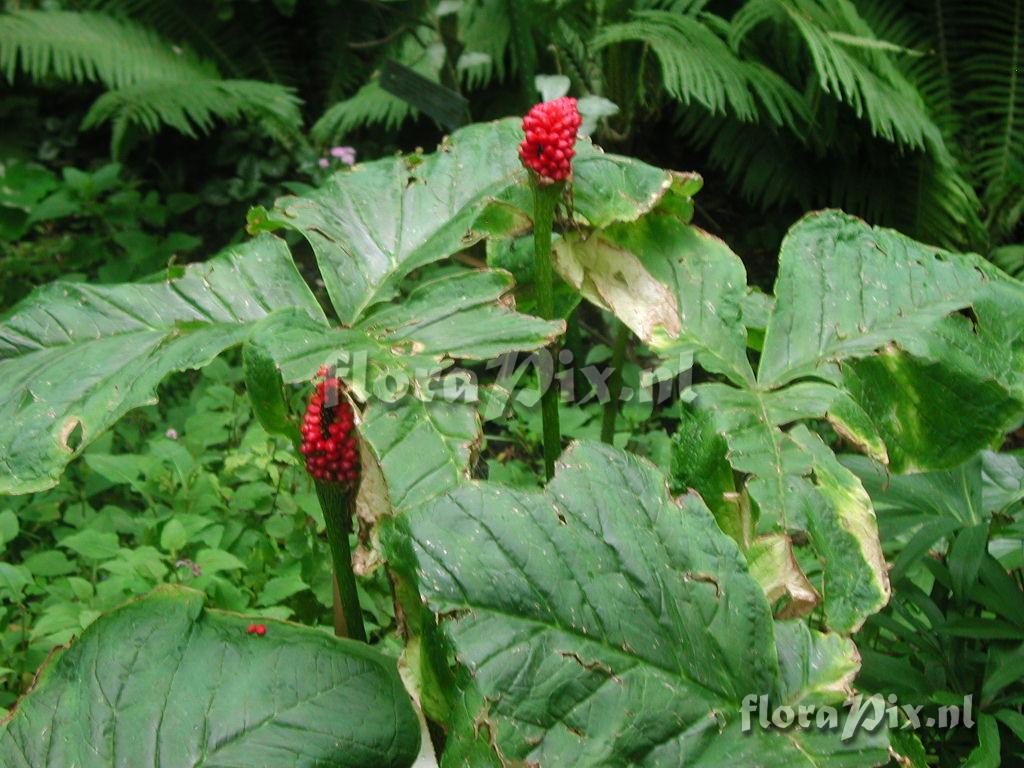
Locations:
845 289
814 666
917 384
393 359
750 421
947 387
842 526
702 288
930 415
675 286
423 447
75 357
602 622
163 681
372 225
967 369
834 509
461 315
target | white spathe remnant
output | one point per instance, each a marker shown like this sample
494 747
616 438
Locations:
612 277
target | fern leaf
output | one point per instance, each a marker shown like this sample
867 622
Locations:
782 103
90 47
862 76
371 104
250 44
773 170
939 204
502 37
151 82
696 64
994 73
193 106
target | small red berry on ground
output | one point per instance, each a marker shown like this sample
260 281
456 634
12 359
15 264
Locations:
261 629
550 129
328 433
252 629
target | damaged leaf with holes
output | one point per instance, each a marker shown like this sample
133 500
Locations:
603 622
857 313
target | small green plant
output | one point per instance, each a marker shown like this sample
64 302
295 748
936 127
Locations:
955 626
193 492
87 224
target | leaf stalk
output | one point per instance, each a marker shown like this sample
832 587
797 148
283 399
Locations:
337 503
611 407
545 200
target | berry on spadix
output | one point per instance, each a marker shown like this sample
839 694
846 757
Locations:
328 433
550 129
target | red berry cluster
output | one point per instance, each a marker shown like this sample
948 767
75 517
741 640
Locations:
550 130
257 629
328 435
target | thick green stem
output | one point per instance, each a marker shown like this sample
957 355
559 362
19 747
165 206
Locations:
545 199
337 504
611 408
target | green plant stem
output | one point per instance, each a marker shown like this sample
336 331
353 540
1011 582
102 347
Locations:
545 199
337 505
611 408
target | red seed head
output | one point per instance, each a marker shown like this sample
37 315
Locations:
550 130
252 629
328 433
261 629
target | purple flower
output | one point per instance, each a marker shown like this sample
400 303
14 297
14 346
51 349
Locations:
196 570
324 162
171 434
347 155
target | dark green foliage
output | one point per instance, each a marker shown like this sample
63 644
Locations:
956 622
194 492
150 82
904 112
81 224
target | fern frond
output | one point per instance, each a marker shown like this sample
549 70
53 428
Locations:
973 85
690 7
503 38
928 69
994 73
765 167
574 58
151 82
939 201
522 47
1010 259
940 207
371 104
194 106
773 170
696 65
485 31
782 103
91 47
862 76
248 45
